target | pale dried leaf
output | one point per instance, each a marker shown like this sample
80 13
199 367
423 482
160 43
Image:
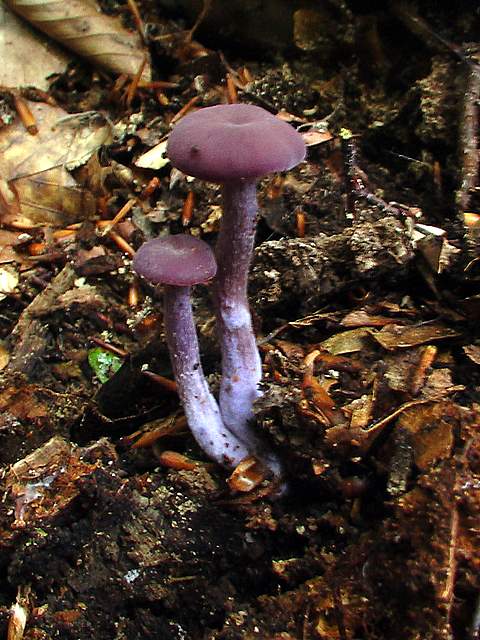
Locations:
34 180
4 357
154 158
472 351
17 622
401 337
361 318
84 29
8 281
31 59
346 342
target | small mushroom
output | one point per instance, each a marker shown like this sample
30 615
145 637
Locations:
235 145
178 262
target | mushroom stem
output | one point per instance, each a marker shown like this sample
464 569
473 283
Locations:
201 410
241 364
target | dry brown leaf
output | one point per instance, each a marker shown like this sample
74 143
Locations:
8 240
34 182
432 436
472 351
439 385
84 29
347 341
361 318
45 482
31 59
4 357
398 337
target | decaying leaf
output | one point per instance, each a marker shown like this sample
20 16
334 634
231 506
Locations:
18 619
46 482
31 59
35 184
361 318
472 351
84 29
398 337
432 435
347 341
8 281
4 357
154 158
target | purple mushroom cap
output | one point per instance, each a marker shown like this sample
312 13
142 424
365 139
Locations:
178 260
233 141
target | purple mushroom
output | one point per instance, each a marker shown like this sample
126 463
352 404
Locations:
235 145
178 262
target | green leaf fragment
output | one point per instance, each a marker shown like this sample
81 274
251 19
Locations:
103 363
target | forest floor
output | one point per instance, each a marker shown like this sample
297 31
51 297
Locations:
365 292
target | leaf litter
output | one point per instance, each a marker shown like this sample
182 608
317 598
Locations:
364 290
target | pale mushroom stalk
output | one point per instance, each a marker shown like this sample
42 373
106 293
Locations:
241 364
201 409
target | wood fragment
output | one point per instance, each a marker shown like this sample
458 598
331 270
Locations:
185 109
232 95
122 244
187 210
107 225
469 138
109 347
25 115
300 222
167 384
132 5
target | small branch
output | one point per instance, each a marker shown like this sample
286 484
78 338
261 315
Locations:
469 150
355 186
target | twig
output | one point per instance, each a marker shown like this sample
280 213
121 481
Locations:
469 138
201 17
405 12
355 187
132 5
106 346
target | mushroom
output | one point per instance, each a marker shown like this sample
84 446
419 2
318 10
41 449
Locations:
178 262
235 145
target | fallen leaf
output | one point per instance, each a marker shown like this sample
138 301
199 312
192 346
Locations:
347 341
30 58
8 281
83 28
361 318
154 158
401 337
472 351
432 435
34 182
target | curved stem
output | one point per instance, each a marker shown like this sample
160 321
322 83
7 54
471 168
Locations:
241 364
201 410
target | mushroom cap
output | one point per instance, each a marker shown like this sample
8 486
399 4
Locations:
233 141
178 260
